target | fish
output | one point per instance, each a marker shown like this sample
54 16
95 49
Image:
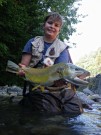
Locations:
46 76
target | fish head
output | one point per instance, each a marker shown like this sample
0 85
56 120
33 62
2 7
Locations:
77 75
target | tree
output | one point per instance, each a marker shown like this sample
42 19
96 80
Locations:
22 19
91 62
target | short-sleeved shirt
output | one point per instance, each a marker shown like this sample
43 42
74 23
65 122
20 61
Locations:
64 56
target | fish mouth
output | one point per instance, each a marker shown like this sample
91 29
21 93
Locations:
79 80
83 76
82 79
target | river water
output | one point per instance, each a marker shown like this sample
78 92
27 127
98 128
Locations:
15 120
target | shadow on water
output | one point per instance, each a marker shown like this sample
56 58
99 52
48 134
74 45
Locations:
15 120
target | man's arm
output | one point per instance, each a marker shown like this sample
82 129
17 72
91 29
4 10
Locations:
64 57
26 58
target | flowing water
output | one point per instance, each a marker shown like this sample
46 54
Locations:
15 120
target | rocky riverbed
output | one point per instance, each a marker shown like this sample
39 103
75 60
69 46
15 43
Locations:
15 120
14 94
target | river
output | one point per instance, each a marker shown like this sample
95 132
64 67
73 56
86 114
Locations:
15 120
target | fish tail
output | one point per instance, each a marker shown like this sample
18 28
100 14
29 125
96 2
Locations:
12 67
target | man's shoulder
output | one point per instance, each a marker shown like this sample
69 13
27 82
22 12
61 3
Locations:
31 39
29 42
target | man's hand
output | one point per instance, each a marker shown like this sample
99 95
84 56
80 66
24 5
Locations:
48 62
21 72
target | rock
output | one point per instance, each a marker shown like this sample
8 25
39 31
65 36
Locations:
87 91
86 102
95 97
14 90
16 99
96 84
10 94
84 98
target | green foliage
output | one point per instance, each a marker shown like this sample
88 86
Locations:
2 1
68 11
92 62
3 50
21 20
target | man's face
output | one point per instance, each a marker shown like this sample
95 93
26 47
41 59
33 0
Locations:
52 28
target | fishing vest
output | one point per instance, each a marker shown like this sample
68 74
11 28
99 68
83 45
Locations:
52 52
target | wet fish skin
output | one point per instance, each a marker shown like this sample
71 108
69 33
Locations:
47 76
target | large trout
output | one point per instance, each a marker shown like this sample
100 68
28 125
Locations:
47 76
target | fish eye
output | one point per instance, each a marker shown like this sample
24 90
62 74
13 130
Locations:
76 69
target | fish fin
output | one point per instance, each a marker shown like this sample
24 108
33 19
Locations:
12 67
38 86
9 70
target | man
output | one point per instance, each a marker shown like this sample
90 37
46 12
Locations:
35 52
